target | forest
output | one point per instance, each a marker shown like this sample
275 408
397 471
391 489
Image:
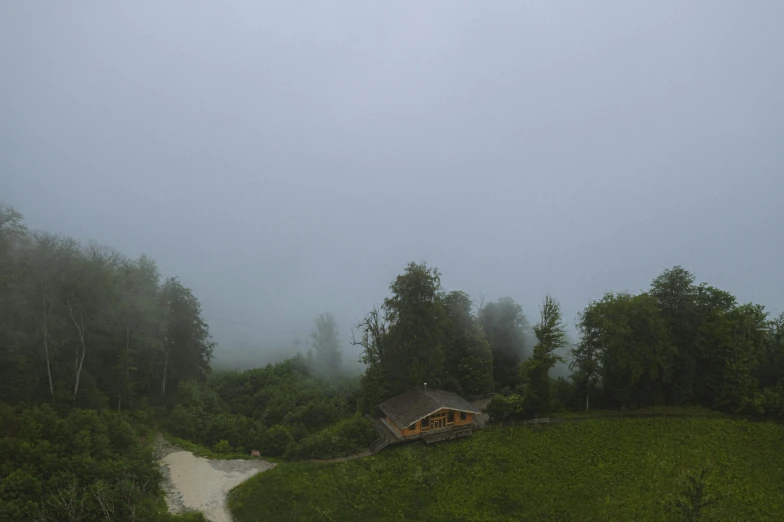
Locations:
98 352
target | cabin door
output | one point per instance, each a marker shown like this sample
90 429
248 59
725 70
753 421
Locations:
438 423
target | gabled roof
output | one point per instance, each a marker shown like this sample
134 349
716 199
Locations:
417 403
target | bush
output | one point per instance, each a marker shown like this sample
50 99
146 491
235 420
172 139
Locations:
275 441
75 467
347 435
772 401
503 408
223 447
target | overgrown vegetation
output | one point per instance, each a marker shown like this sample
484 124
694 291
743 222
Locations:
616 469
282 410
87 465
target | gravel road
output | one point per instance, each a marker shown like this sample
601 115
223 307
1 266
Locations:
196 483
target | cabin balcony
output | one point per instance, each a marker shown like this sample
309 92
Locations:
388 431
451 432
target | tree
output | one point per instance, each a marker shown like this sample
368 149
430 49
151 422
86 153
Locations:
550 333
326 343
414 350
16 375
371 335
505 326
627 346
770 366
89 297
586 360
82 324
676 295
138 324
468 359
45 263
186 344
734 387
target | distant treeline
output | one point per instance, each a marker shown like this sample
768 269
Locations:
83 324
678 343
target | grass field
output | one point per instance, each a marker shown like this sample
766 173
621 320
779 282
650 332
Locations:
603 469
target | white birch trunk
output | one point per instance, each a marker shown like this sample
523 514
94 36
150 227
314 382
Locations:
79 360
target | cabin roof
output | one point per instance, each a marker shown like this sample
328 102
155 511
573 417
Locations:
417 403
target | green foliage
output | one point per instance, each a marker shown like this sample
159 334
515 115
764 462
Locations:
223 446
416 318
239 407
502 408
613 470
469 361
695 501
420 335
87 465
276 441
354 433
85 326
326 343
679 343
505 326
551 335
208 453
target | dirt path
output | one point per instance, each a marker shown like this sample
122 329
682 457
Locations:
362 454
200 484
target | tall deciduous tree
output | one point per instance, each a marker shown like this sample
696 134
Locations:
415 315
371 335
186 343
469 361
550 333
505 326
326 342
586 356
90 295
676 297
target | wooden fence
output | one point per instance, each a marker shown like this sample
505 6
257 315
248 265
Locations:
513 422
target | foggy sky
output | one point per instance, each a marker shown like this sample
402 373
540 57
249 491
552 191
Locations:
287 158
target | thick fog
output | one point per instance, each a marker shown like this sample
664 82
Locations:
286 159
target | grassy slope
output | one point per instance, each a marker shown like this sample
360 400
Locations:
606 469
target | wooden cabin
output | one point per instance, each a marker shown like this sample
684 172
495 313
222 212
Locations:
429 414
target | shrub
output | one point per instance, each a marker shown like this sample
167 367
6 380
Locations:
503 408
275 441
223 447
75 467
349 434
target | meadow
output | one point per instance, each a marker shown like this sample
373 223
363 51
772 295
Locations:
599 469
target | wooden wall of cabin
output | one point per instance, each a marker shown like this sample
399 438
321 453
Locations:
416 428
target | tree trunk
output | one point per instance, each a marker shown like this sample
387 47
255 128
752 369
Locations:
127 365
46 347
79 360
165 367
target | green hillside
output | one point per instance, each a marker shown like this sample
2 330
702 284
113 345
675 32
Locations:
603 469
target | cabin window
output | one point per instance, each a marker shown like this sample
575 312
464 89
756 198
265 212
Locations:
412 427
425 422
450 417
462 415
